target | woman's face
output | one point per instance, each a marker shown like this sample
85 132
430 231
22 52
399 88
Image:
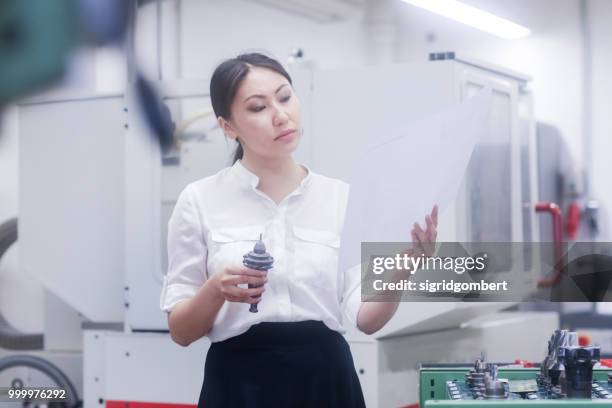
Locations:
265 115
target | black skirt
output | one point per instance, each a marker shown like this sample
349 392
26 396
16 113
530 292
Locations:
281 365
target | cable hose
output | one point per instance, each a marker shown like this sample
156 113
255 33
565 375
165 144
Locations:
46 367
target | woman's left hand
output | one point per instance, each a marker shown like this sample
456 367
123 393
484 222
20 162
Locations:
424 241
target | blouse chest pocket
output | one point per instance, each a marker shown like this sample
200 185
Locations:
316 257
227 245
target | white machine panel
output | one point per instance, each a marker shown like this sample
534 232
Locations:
141 367
71 201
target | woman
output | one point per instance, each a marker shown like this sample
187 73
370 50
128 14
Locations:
291 352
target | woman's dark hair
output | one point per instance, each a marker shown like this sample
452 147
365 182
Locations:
229 75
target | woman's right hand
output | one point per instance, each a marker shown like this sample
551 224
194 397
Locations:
228 280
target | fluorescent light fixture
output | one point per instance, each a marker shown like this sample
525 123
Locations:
473 17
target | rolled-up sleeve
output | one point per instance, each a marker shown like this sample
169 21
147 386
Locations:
351 287
351 294
187 253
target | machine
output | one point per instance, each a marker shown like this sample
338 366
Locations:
96 192
569 376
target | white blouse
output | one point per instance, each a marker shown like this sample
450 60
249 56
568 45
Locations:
219 218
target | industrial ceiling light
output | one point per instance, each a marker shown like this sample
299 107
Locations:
473 17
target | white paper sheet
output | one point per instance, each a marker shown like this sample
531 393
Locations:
397 183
